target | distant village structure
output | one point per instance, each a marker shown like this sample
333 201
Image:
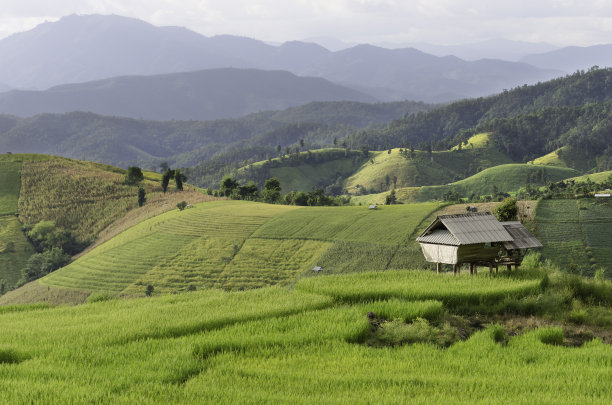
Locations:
476 239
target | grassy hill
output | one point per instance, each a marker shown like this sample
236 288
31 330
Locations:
236 245
508 178
420 169
82 197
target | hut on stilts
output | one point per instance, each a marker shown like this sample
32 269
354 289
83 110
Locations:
476 239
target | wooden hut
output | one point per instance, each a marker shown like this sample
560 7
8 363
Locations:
475 238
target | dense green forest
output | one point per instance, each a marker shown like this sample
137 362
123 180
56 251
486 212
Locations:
441 125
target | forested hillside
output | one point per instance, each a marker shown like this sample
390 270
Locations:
124 141
441 125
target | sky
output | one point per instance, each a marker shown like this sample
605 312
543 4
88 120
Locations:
444 22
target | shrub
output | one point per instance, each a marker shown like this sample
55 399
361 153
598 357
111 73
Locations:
551 336
182 205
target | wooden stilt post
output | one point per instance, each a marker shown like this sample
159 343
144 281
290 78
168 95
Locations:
456 269
496 268
472 268
509 267
437 268
490 268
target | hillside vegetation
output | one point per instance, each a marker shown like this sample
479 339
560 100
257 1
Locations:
237 245
14 247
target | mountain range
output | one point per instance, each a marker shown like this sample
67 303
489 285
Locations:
79 49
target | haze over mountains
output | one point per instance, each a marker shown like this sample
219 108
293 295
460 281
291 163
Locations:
84 48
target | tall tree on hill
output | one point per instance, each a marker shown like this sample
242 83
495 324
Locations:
272 189
141 196
179 178
168 174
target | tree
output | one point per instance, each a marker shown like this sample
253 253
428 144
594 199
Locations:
163 166
149 290
300 198
272 189
179 178
168 174
182 205
134 175
228 185
141 196
507 210
301 143
41 264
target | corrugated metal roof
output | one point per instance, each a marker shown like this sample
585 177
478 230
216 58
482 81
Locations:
479 227
523 239
439 237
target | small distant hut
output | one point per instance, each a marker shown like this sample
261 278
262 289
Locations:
477 239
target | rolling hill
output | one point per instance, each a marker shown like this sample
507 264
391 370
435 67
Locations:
84 198
572 58
201 95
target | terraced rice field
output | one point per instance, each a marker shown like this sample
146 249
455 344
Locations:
235 245
576 234
120 262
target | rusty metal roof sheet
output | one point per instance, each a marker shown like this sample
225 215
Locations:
522 238
467 229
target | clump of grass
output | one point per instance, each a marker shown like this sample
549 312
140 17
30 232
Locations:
99 297
397 332
499 334
551 336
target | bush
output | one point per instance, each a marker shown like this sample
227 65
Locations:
507 210
499 334
134 175
182 205
99 297
551 336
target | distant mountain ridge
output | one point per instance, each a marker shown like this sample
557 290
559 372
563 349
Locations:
93 47
573 58
202 95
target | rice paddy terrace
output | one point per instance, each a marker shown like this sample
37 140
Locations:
239 245
576 234
316 343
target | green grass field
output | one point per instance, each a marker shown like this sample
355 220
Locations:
275 345
576 233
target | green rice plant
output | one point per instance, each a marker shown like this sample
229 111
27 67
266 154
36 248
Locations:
476 371
343 323
417 285
405 310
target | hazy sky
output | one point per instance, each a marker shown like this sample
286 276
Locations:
560 22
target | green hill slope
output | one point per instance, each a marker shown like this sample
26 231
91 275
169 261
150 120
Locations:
14 247
81 197
405 169
507 178
236 245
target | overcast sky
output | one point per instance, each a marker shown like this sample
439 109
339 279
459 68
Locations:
559 22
